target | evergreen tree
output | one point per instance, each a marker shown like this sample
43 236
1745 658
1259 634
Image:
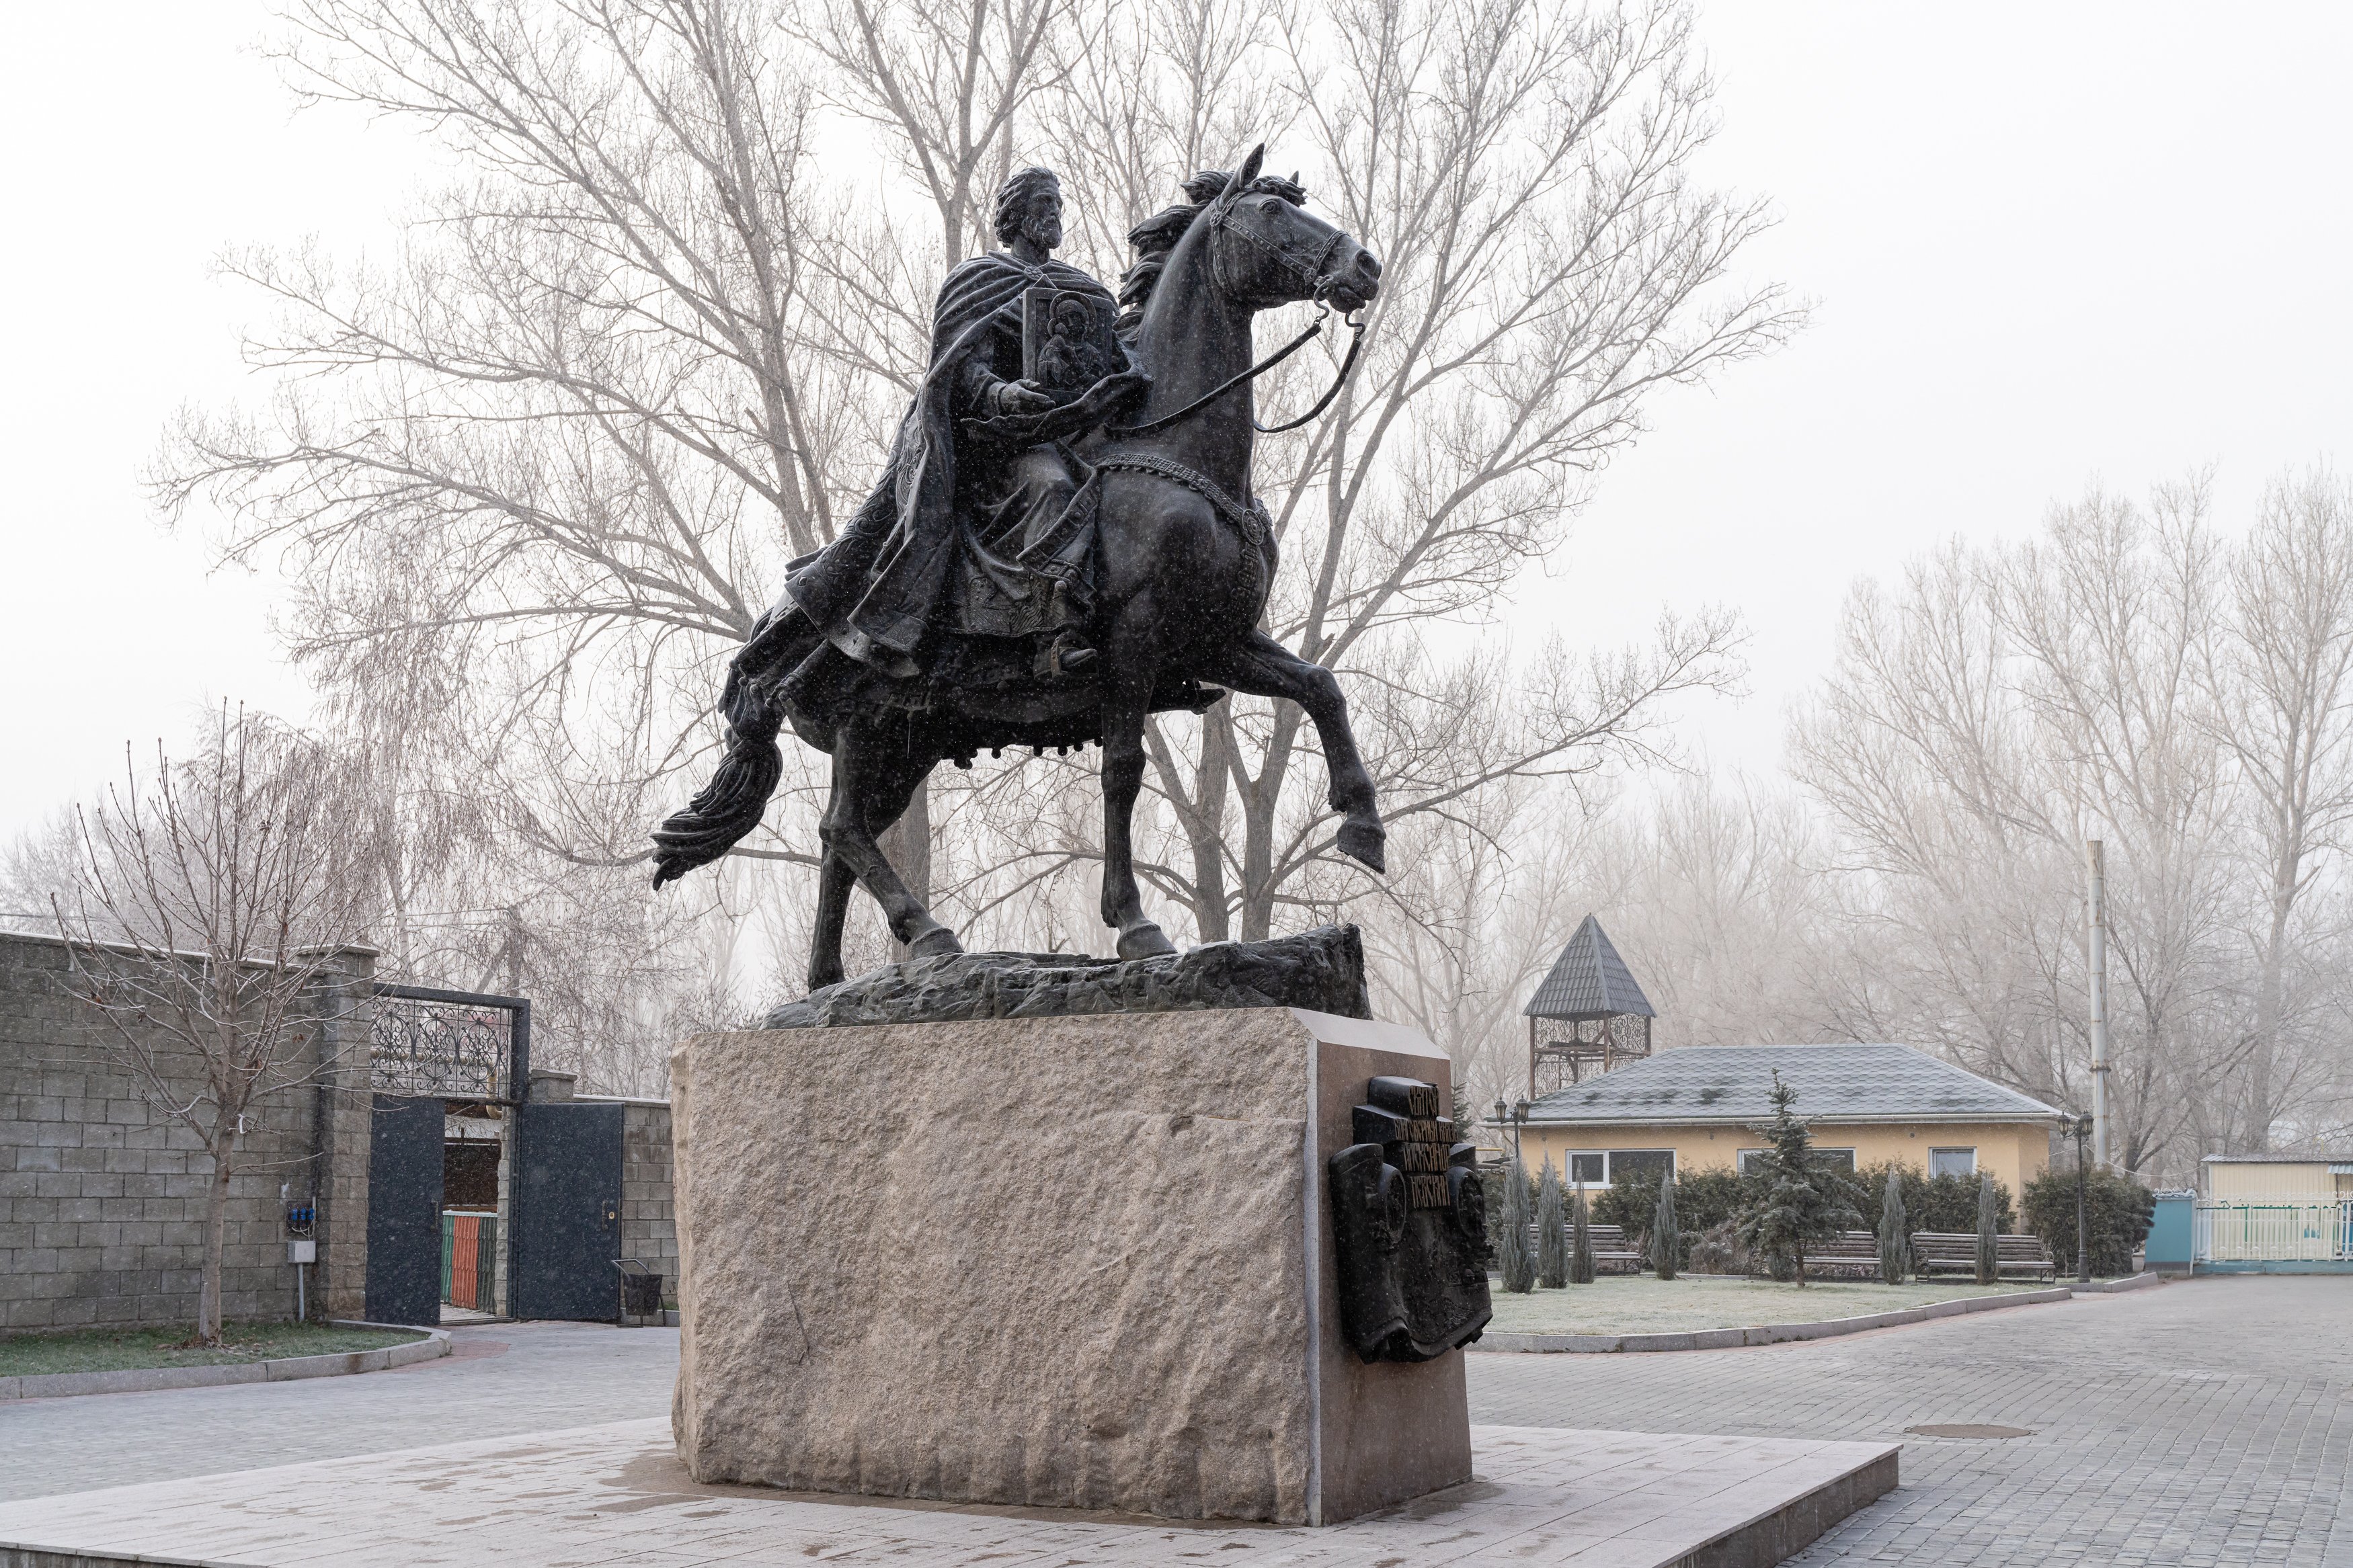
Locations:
1801 1202
1551 1239
1988 1249
1512 1256
1581 1267
1666 1240
1894 1245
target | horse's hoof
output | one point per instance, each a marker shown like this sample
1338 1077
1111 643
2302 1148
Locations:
937 942
819 979
1144 939
1368 842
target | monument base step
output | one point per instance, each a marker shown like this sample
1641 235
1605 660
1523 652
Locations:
617 1494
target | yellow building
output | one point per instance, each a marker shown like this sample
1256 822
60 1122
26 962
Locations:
1702 1107
2279 1178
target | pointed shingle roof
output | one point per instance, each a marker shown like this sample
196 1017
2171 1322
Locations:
1588 980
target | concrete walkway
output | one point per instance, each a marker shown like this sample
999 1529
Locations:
496 1381
617 1497
2203 1422
2208 1422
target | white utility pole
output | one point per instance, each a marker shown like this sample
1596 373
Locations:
2096 920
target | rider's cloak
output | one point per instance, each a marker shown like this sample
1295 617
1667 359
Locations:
875 591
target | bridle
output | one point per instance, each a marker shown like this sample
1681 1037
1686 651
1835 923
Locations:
1314 275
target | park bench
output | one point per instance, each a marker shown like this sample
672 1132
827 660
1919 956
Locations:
1611 1254
1954 1254
1851 1254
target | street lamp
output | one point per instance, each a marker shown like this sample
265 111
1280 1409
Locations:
2079 1127
1514 1116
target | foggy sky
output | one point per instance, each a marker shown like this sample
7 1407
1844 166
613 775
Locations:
2044 250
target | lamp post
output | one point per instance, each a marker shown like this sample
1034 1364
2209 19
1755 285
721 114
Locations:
2079 1128
1515 1116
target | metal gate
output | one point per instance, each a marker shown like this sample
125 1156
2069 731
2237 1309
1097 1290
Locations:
568 1198
404 1222
429 1049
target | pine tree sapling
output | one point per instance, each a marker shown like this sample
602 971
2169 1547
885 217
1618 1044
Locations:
1512 1258
1800 1201
1581 1268
1552 1238
1666 1240
1894 1245
1989 1222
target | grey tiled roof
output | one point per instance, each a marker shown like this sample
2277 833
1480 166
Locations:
1588 980
2334 1157
1842 1083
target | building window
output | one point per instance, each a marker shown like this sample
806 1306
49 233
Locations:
1952 1161
1589 1170
1650 1164
1752 1161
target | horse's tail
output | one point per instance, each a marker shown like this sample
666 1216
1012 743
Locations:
733 802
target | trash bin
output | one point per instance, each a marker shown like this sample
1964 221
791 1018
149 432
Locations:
641 1295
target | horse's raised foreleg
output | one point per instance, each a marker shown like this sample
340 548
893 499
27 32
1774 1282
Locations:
1264 667
1123 780
871 782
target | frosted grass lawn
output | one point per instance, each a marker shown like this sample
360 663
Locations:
1644 1304
124 1349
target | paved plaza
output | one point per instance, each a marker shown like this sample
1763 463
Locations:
2208 1422
499 1381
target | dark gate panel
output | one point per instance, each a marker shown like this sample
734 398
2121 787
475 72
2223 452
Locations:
403 1227
568 1211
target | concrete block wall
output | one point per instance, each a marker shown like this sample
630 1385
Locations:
103 1194
648 1223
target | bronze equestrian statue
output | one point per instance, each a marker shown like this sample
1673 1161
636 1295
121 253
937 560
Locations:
1041 564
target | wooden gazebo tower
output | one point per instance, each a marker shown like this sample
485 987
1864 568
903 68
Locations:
1587 1014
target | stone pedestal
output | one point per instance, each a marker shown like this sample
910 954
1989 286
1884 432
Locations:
1073 1262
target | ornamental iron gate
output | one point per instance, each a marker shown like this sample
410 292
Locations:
432 1051
428 1050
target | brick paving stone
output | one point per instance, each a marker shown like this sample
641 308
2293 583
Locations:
2206 1422
502 1379
2203 1422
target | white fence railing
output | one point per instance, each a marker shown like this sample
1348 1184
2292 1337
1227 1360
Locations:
2271 1232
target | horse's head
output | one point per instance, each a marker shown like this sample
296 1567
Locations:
1271 250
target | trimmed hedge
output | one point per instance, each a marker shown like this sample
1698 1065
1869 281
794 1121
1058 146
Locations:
2118 1212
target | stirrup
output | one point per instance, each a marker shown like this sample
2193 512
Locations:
1066 656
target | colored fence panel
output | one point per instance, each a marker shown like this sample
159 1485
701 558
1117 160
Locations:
470 1243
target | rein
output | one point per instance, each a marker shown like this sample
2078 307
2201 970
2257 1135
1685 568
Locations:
1323 315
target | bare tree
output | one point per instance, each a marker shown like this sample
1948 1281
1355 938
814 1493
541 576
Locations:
2129 674
209 902
536 480
1522 172
2281 691
561 450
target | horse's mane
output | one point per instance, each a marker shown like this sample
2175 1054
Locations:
1156 236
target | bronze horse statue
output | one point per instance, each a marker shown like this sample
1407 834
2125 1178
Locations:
1186 561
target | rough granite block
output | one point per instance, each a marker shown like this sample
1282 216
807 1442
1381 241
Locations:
1088 1265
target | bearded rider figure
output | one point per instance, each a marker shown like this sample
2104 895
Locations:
971 533
971 563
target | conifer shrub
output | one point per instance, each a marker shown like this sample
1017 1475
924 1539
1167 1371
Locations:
1552 1233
